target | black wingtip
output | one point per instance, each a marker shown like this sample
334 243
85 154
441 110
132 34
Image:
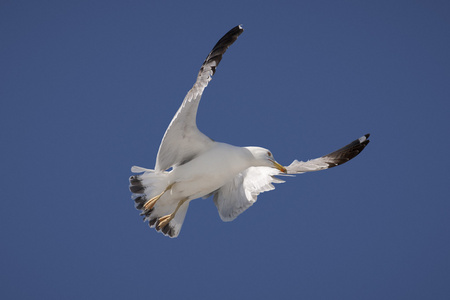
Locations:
348 152
228 39
238 28
221 47
366 137
366 141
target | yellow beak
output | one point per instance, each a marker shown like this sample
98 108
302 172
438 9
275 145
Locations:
279 167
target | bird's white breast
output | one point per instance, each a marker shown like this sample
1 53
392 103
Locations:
209 171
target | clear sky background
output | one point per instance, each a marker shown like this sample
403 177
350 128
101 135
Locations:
88 88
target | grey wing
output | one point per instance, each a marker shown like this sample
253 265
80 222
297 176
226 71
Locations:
333 159
182 140
240 193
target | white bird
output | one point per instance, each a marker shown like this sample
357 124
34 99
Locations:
190 165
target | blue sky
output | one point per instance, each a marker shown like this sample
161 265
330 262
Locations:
89 87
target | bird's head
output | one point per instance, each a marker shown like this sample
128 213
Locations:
264 158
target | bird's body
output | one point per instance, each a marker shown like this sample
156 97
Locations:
190 165
199 177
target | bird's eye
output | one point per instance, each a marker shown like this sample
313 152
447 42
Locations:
270 154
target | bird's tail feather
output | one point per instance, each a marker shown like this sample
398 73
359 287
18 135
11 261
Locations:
149 184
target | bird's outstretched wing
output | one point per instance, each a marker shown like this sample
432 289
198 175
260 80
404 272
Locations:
182 140
333 159
239 194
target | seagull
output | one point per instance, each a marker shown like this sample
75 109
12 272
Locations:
190 165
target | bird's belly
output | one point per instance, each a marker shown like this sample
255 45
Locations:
203 176
199 186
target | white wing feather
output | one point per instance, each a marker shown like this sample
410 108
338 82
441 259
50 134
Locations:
239 194
182 140
333 159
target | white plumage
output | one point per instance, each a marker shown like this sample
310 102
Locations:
242 191
190 165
